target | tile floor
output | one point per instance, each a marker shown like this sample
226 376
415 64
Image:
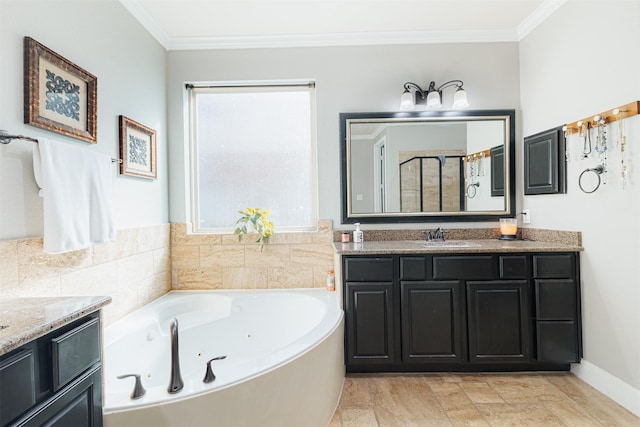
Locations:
494 399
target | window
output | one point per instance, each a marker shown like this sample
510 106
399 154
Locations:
253 146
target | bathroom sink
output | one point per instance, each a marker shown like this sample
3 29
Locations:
448 244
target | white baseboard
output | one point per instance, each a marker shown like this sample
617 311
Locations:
624 394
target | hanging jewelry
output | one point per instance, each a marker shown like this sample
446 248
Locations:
622 143
567 145
601 145
585 133
481 164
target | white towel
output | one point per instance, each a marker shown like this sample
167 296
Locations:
76 186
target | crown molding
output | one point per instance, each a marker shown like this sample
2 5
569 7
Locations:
541 13
340 39
537 17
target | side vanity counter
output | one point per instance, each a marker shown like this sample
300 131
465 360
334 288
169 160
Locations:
51 361
460 305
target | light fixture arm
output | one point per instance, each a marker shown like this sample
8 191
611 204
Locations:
418 89
457 83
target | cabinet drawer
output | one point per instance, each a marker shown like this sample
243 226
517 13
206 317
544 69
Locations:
476 267
513 267
559 266
368 269
75 351
413 268
556 299
17 385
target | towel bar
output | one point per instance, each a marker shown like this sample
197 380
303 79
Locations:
5 138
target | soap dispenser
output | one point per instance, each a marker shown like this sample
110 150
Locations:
357 234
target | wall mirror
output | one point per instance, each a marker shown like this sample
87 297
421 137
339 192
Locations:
428 166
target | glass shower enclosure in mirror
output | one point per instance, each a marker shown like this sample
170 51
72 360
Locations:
428 166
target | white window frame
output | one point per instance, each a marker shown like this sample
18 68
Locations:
243 86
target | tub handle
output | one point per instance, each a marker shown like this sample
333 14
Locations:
138 390
209 377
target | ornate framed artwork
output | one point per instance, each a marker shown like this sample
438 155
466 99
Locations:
58 95
137 149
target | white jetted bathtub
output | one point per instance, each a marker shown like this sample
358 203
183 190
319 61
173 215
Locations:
284 360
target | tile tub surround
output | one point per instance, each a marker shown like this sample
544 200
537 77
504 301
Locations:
133 270
500 399
219 261
25 319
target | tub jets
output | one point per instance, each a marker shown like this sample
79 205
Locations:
176 383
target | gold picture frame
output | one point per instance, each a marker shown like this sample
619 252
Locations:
137 149
58 95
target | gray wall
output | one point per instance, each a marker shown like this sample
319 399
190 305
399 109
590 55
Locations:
104 39
349 79
580 62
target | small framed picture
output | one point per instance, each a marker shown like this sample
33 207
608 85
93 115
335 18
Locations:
58 95
137 149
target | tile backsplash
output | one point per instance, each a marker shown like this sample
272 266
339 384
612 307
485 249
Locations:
133 270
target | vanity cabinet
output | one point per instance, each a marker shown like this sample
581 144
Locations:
54 380
420 312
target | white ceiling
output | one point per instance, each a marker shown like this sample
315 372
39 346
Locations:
224 24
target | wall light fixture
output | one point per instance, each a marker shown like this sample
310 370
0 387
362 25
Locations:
432 97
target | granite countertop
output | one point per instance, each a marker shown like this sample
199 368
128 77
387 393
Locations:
452 246
25 319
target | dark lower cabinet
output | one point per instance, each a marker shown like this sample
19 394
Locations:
462 312
498 322
432 321
370 317
54 380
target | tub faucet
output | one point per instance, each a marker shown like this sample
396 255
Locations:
176 383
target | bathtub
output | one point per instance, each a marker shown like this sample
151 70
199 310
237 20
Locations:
284 361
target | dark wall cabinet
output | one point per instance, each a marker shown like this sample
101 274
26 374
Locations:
55 380
461 312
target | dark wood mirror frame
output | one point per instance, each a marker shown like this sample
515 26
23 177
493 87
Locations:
404 217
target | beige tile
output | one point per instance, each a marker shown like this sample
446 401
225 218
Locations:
523 389
185 256
518 415
406 398
593 403
8 263
161 260
270 256
570 414
222 256
33 263
127 242
152 238
358 417
34 287
199 278
97 280
480 393
467 416
123 302
153 287
336 420
179 237
291 238
283 277
355 392
314 254
133 269
244 278
450 396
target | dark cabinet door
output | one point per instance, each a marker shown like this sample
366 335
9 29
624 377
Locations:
498 316
432 321
370 324
77 404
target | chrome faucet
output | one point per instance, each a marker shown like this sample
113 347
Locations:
437 234
176 383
